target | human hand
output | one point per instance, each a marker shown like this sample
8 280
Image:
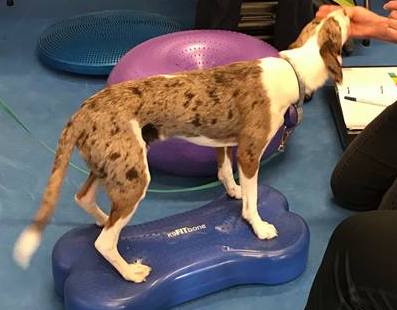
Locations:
392 29
391 6
363 23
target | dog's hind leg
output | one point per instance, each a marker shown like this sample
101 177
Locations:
85 198
225 172
250 150
126 182
122 211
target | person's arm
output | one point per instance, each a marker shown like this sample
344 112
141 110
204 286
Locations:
367 24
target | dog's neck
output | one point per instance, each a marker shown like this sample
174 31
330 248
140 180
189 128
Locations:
308 64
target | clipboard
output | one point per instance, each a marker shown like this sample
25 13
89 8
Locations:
376 83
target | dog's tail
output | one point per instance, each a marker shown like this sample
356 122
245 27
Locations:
30 239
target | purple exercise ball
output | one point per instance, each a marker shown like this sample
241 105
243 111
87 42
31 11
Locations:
183 51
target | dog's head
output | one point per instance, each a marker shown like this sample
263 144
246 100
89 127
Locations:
329 34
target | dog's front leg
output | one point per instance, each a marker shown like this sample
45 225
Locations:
250 151
225 172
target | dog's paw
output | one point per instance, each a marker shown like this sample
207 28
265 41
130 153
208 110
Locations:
264 230
234 191
137 272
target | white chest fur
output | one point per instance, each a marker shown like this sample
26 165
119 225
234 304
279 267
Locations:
280 83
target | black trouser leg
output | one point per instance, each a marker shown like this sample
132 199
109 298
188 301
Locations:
365 177
359 270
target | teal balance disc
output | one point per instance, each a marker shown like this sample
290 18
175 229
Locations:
93 43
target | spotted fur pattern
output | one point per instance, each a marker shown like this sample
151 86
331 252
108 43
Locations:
237 104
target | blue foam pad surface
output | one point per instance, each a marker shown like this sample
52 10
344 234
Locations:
191 254
93 43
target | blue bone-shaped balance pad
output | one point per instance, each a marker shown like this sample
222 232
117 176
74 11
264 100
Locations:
191 254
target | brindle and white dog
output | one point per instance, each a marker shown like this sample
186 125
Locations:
239 104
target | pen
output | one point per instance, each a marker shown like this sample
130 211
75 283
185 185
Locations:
364 100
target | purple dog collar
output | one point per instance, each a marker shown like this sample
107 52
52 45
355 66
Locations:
299 104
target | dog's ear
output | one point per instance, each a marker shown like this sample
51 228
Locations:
305 34
330 43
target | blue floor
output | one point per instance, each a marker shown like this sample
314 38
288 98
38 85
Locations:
44 99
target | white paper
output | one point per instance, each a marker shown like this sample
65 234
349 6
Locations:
371 83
